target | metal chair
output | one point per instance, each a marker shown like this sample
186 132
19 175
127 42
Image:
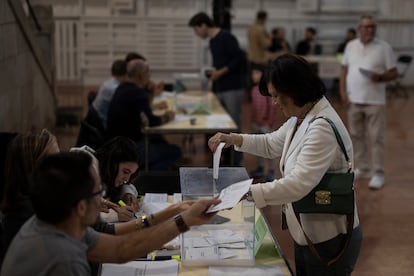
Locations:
394 88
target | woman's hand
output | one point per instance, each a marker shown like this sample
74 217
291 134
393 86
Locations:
229 140
106 205
125 213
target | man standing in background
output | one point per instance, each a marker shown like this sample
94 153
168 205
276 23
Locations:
259 40
229 64
368 63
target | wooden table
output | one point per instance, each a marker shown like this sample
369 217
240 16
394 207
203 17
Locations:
217 120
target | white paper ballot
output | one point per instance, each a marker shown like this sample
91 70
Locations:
216 160
142 268
258 270
367 73
231 195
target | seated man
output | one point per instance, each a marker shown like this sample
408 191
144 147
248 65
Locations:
130 111
107 89
66 199
153 89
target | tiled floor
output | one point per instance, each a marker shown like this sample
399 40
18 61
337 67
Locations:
386 215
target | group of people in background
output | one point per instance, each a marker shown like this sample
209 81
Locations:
124 105
57 206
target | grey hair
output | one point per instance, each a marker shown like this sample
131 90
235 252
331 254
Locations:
135 67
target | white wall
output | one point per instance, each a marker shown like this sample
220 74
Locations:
90 34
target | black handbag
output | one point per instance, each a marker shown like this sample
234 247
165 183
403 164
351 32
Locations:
333 195
335 192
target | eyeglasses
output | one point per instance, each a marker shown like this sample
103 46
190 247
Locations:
373 26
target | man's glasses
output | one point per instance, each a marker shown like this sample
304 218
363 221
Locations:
373 26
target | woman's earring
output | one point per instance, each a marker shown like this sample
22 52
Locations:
125 182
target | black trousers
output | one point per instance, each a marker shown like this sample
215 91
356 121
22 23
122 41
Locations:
308 265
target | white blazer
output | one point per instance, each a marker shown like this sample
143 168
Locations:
305 158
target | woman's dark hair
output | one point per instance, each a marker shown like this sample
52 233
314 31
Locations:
115 151
199 19
22 154
293 76
59 182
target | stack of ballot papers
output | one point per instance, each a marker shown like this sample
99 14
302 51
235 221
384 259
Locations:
142 268
215 244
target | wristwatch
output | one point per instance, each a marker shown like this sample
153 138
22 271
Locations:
182 227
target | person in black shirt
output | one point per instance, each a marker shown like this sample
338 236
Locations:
308 45
130 111
279 43
229 62
350 35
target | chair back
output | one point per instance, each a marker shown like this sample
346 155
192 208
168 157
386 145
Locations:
92 131
403 63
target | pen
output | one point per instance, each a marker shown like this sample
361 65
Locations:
161 258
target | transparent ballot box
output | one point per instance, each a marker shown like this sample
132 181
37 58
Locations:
228 239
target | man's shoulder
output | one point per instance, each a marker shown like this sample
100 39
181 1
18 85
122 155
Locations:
129 90
381 42
37 234
224 34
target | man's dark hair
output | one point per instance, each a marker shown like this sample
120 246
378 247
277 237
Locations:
352 30
59 182
199 19
311 30
133 55
292 75
118 68
261 15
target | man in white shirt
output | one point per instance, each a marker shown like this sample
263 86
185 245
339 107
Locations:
367 65
107 89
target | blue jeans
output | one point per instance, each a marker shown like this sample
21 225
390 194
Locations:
308 265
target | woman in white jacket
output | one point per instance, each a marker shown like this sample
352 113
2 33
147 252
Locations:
308 149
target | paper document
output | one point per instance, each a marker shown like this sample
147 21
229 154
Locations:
231 195
259 270
154 203
154 207
154 197
142 268
216 160
365 72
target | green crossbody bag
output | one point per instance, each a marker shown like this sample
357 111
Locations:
334 193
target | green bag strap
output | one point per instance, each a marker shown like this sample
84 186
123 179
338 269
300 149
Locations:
338 139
